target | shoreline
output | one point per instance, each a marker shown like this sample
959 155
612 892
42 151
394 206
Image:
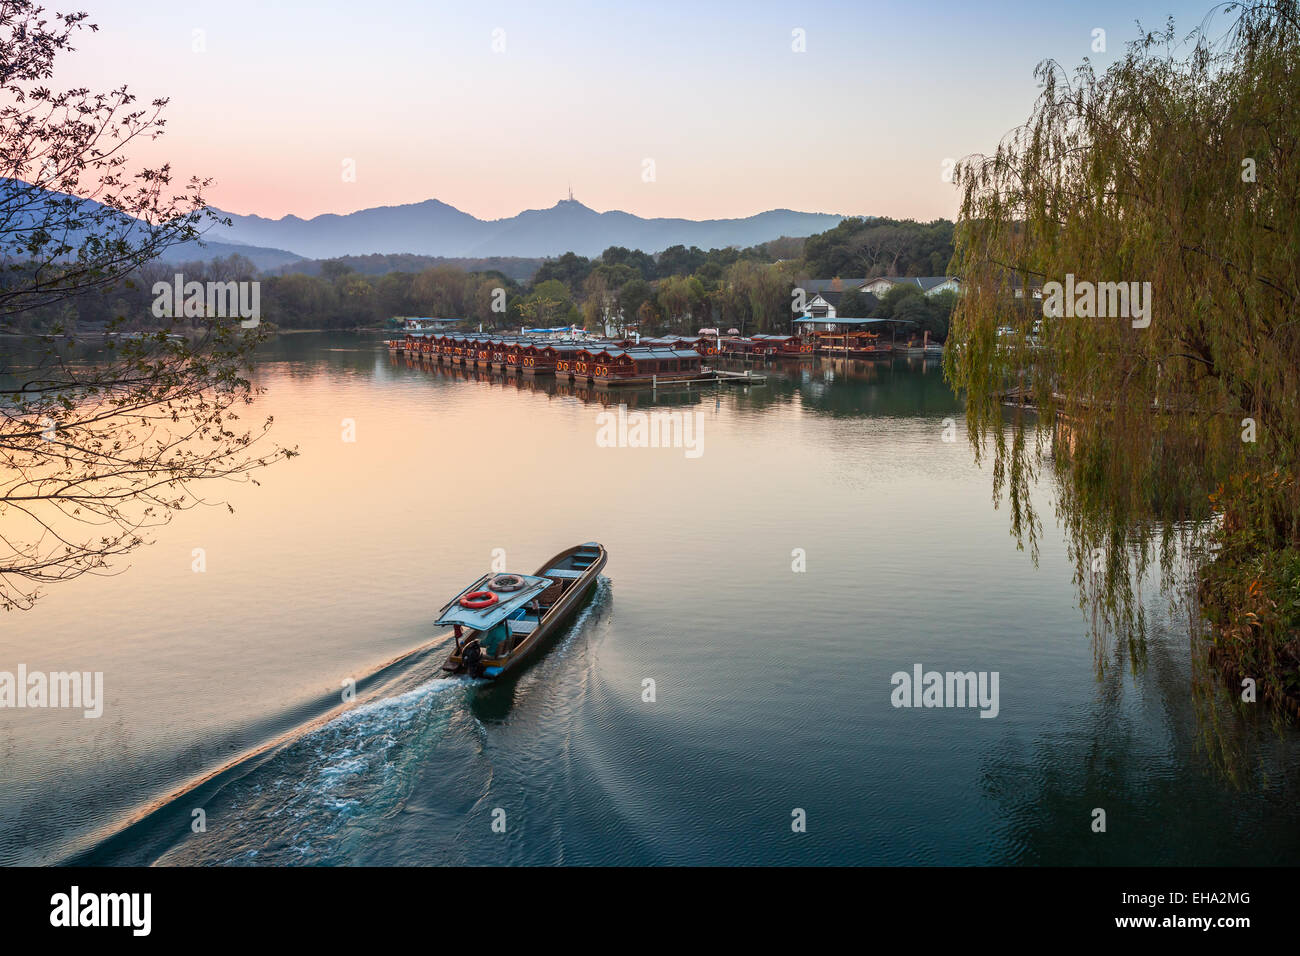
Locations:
100 333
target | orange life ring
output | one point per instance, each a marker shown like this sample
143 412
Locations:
477 600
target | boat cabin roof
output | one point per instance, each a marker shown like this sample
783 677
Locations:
487 617
660 353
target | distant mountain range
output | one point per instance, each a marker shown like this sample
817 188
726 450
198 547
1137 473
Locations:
433 228
204 250
25 208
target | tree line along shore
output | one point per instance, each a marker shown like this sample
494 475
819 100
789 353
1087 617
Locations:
674 291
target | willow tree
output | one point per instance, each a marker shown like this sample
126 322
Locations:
99 441
1170 421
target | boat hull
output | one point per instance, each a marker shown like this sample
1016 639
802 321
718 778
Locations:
555 619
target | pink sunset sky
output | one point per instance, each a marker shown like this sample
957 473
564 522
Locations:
499 107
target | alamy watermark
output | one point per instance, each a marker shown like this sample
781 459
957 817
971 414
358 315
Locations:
1098 300
38 689
217 300
659 429
922 688
131 911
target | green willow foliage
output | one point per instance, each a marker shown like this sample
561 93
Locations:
1178 166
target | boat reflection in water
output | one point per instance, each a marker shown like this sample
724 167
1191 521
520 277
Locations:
675 393
776 379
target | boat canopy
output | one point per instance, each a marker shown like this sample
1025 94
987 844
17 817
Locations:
483 618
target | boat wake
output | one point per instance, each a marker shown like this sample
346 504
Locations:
313 801
336 790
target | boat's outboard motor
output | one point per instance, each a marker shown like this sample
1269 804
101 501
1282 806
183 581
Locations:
472 655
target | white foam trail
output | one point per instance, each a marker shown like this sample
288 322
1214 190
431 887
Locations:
352 765
384 706
578 623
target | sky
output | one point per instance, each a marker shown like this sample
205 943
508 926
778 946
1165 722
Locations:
696 110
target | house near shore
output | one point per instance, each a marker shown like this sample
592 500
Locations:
822 296
428 324
806 325
930 285
823 304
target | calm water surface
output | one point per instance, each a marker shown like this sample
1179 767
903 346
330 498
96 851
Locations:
772 686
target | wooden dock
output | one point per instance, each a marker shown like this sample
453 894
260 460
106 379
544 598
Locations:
738 378
709 376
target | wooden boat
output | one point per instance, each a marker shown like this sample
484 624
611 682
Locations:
502 620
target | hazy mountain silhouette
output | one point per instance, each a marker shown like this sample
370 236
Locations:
433 228
205 250
28 208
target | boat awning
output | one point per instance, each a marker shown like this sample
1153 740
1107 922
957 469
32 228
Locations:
484 618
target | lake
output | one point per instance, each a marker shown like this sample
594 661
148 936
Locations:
819 537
